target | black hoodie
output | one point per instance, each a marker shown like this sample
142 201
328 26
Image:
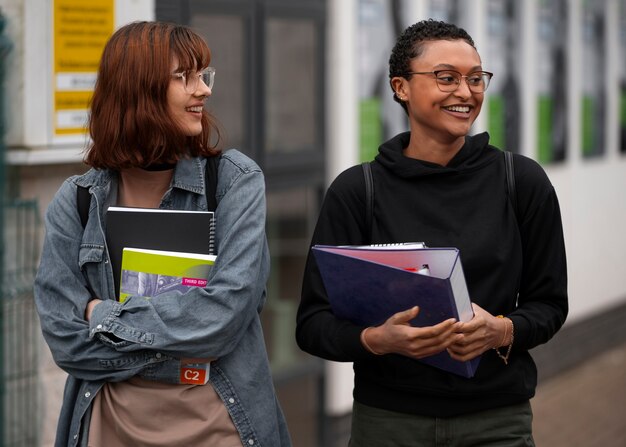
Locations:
463 205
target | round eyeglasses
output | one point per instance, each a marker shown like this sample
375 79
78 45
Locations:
449 80
192 78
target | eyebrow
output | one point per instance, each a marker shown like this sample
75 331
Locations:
452 67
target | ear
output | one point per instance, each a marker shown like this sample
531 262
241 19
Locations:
398 84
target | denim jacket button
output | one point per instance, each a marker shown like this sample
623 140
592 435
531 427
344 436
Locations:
251 441
231 400
87 394
158 355
99 326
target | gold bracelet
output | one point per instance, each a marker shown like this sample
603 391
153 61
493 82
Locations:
368 347
506 332
505 357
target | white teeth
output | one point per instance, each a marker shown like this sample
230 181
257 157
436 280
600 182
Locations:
462 109
194 109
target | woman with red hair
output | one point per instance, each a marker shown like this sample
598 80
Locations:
151 141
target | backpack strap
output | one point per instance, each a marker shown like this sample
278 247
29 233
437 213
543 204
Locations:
510 181
83 200
369 198
210 181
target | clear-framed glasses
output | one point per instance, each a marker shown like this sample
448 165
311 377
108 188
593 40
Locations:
449 80
191 78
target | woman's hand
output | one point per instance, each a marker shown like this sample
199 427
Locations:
481 333
90 305
398 337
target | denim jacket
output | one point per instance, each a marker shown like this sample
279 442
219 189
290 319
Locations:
148 337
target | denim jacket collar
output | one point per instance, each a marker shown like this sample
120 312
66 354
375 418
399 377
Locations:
188 176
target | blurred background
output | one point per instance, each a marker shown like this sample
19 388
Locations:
302 88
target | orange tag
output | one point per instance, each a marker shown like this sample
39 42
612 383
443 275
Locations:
194 373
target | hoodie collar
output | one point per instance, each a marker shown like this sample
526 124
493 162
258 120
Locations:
467 158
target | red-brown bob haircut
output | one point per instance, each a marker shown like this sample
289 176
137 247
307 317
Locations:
130 125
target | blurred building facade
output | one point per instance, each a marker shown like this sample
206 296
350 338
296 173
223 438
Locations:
302 88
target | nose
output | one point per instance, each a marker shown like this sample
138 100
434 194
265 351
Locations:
463 89
203 89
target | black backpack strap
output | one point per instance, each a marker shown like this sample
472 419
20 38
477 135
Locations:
210 181
369 198
510 181
83 200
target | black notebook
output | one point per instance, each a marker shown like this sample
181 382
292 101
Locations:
157 229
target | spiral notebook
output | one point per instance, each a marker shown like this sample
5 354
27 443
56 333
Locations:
157 229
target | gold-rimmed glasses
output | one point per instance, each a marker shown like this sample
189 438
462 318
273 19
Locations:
449 80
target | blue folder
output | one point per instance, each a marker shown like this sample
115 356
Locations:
368 285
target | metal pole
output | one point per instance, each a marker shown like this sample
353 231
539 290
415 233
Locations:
5 48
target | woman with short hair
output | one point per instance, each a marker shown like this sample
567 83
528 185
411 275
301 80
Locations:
437 184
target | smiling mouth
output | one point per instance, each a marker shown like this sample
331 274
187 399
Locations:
196 109
460 109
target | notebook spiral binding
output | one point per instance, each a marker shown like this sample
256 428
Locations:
212 236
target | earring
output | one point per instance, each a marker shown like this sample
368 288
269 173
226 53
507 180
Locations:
399 97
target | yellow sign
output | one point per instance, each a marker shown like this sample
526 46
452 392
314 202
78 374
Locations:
81 29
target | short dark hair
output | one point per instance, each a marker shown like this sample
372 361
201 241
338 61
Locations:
410 44
129 123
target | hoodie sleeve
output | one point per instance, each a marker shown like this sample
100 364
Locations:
341 221
543 300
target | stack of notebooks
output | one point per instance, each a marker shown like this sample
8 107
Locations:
154 251
368 284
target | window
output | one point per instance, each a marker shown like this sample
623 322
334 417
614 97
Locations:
291 85
503 53
552 80
225 35
593 69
